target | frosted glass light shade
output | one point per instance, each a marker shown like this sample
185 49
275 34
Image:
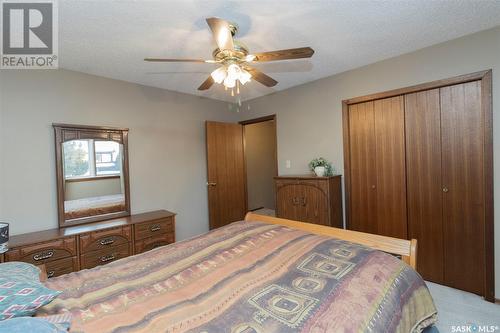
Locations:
230 74
219 74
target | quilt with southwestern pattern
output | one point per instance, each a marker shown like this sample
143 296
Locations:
248 277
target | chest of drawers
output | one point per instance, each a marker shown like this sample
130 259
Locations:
60 256
68 250
310 199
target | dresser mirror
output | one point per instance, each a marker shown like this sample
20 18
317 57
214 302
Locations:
92 173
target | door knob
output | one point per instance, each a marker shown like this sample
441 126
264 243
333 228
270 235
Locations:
211 184
445 189
373 187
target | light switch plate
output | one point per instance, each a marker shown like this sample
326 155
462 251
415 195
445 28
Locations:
288 164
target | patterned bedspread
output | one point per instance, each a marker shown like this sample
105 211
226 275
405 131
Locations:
248 277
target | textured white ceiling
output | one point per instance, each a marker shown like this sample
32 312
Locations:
110 38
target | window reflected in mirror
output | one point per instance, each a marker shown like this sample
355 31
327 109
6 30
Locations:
92 176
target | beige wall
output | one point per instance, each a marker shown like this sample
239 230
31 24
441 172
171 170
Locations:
166 141
260 152
309 117
92 188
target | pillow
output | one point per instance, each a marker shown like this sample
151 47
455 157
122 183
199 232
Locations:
62 320
19 297
19 270
30 324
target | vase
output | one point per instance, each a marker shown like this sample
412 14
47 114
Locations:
320 171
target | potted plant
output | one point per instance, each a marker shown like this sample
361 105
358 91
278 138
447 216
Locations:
321 167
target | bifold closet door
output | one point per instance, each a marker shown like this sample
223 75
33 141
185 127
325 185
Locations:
424 193
363 200
390 167
377 167
462 127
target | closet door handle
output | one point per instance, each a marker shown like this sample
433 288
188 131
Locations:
445 189
304 201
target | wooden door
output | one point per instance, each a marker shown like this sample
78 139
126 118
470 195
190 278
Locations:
390 167
226 173
423 179
462 137
362 200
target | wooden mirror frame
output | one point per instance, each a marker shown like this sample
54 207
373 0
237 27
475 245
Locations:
66 132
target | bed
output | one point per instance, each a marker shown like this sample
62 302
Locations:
78 208
263 274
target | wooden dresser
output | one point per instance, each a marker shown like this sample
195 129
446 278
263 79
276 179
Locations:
310 199
71 249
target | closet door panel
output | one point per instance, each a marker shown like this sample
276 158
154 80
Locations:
462 127
423 178
390 167
363 204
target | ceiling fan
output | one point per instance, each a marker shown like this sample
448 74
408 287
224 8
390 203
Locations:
235 58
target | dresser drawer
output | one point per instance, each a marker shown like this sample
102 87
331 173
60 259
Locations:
101 257
150 243
99 240
61 266
42 253
151 229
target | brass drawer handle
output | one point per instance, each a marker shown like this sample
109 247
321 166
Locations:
155 227
51 274
107 258
43 255
107 241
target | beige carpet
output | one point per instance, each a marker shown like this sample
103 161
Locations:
460 308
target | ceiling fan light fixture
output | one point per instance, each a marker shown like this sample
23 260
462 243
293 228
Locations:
245 76
219 74
229 82
233 71
235 58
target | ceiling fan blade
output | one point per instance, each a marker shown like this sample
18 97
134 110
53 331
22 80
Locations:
222 33
298 53
261 77
176 60
206 84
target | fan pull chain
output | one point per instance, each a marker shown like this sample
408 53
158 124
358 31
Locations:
238 87
232 92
